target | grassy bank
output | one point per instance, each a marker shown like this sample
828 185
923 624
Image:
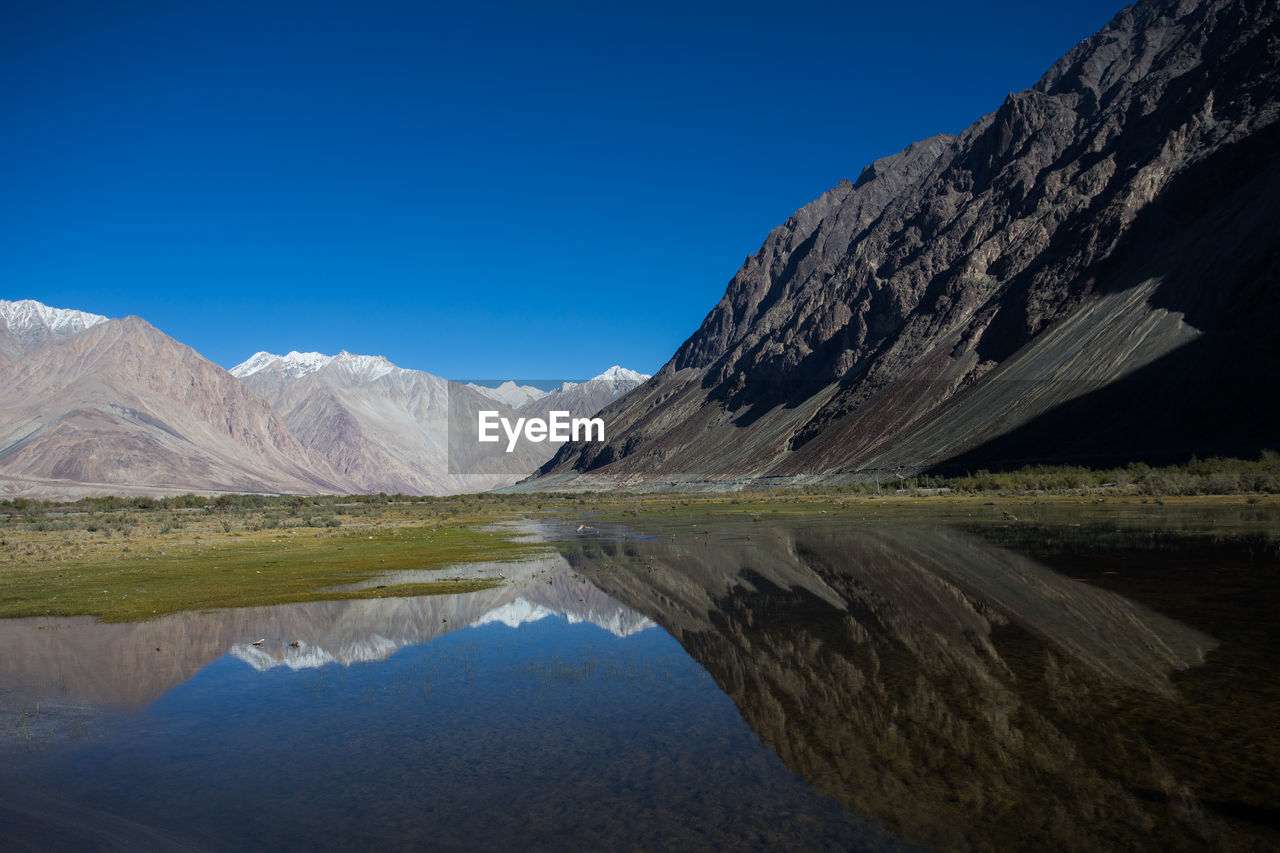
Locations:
121 561
136 558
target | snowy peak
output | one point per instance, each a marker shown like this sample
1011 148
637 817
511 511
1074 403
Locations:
363 367
618 373
298 364
518 396
510 393
27 314
256 362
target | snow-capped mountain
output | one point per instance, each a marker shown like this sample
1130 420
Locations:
31 324
536 590
385 428
618 373
584 399
519 396
296 364
91 405
510 393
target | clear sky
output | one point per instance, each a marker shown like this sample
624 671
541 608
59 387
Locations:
477 189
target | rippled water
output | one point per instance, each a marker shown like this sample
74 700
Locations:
852 682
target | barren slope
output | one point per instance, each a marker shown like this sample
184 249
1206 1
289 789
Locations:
1089 273
124 405
385 428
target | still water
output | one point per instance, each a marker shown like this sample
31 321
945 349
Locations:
1051 680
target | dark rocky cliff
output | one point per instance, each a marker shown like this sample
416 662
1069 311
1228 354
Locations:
1087 274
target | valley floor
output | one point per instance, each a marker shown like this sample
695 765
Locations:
139 558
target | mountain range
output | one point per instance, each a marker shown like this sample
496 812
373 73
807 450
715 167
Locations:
1087 275
579 399
93 405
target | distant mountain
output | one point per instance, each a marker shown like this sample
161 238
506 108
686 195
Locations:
617 373
88 402
27 325
384 428
93 406
580 399
585 399
1089 274
509 393
359 368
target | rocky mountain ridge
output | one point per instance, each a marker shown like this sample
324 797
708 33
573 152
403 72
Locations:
120 403
29 325
585 399
1087 274
297 364
384 428
92 405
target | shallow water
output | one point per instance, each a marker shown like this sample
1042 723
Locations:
836 682
536 716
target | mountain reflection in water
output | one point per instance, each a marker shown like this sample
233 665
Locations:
129 665
541 714
788 684
967 696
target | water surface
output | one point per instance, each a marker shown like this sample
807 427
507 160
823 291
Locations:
541 715
1031 679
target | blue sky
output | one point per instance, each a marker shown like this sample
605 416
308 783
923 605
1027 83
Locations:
477 190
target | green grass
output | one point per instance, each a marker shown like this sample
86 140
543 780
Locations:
249 570
137 558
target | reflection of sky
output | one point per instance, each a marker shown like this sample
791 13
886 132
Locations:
550 733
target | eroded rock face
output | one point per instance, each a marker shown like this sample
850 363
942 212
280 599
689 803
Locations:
119 404
384 428
389 429
1100 251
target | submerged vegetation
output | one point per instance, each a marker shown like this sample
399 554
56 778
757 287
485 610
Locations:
123 558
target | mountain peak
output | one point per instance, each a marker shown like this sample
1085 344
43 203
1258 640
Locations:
518 396
296 364
258 361
509 393
618 373
27 314
1111 230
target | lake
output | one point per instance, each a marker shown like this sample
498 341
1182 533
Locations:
984 677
